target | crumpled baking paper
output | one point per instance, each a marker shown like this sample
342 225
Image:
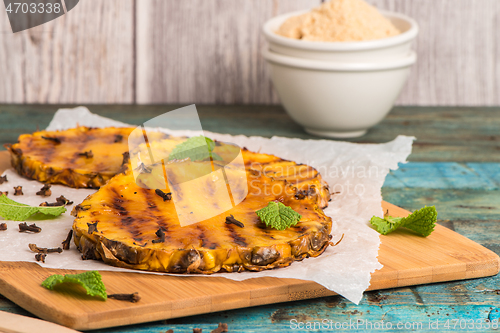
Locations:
355 173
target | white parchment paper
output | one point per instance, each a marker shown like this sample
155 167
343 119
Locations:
355 173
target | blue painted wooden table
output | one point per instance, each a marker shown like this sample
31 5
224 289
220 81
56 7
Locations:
455 165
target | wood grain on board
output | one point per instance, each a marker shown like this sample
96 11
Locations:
167 51
408 259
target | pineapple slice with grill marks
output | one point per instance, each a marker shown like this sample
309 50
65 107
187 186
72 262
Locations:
80 157
119 224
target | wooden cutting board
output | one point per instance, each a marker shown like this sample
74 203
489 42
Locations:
407 258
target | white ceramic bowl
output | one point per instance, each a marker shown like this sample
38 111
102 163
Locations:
338 100
384 49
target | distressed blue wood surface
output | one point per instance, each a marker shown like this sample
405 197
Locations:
461 178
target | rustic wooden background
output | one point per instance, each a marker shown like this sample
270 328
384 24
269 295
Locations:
208 51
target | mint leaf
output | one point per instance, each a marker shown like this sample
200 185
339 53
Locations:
197 148
387 224
278 216
421 221
90 280
15 211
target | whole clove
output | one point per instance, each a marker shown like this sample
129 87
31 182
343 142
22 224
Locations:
51 204
92 227
78 208
231 220
66 243
302 194
45 191
18 190
163 195
3 179
3 226
40 257
134 297
86 154
4 193
53 139
160 235
221 328
45 250
24 227
64 201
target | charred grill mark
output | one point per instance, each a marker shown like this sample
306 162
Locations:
86 154
237 239
54 139
117 203
127 221
205 241
163 224
48 154
79 145
149 199
118 138
125 161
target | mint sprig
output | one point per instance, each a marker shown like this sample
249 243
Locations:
278 216
15 211
197 148
421 221
91 281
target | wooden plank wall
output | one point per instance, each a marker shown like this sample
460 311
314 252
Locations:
170 51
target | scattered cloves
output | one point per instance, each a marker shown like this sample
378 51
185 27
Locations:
61 201
3 179
221 328
4 193
37 249
24 227
40 257
163 195
45 191
160 235
134 297
18 190
66 243
3 226
92 227
64 201
86 154
231 220
51 204
53 139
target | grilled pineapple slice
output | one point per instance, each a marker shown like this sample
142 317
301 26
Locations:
81 157
130 226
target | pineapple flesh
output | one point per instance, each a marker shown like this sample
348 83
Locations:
132 226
